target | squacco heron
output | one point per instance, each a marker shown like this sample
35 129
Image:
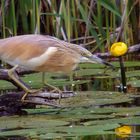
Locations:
43 54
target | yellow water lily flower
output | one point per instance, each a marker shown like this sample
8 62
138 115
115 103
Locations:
123 131
118 49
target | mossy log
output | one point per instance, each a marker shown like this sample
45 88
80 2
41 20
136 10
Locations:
10 102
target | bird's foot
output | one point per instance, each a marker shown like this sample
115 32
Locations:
29 91
55 90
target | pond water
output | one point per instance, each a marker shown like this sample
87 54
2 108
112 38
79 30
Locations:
91 137
72 124
104 116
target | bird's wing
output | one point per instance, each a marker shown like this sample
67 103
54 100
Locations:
21 47
34 50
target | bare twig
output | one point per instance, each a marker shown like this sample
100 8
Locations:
123 20
131 49
88 19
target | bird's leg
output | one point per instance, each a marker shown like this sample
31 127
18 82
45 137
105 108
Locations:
54 89
12 74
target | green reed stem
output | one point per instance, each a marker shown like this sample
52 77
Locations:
37 15
14 17
3 19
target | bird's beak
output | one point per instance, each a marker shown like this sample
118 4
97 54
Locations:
96 59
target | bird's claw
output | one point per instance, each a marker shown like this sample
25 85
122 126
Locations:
29 91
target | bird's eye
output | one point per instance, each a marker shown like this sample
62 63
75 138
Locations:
85 52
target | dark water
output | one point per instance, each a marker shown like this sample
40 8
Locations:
78 122
98 137
38 131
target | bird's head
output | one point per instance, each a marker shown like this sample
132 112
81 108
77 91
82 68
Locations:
96 59
87 56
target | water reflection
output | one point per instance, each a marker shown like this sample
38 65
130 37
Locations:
122 133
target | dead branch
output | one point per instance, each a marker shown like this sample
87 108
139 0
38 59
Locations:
11 104
131 49
4 76
40 98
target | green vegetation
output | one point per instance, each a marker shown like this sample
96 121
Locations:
82 117
95 25
96 22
